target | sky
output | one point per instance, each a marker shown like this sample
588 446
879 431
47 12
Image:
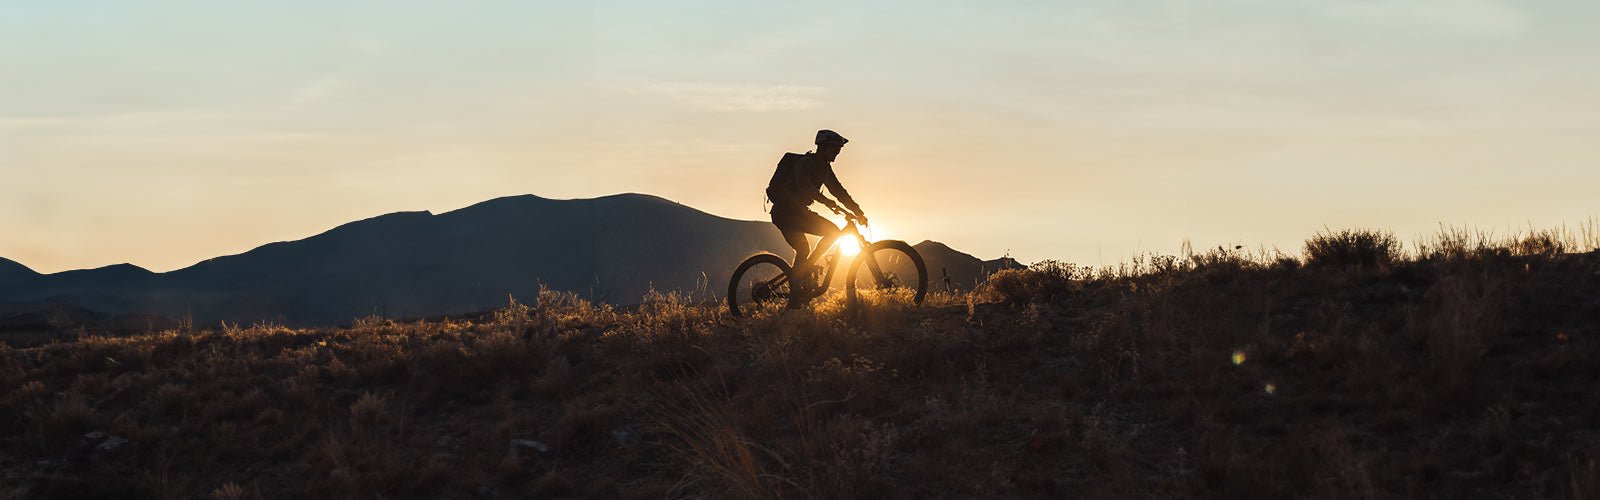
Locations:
164 133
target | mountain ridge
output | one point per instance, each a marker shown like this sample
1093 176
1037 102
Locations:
417 263
9 267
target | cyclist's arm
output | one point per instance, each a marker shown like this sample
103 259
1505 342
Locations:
837 189
820 198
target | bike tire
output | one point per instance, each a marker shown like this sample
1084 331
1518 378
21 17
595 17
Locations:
734 298
885 250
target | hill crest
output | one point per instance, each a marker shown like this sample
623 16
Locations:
416 263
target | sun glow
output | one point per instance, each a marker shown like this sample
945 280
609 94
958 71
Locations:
874 232
849 246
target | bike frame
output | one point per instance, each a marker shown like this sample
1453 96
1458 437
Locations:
826 247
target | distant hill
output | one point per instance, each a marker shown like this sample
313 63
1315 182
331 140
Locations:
415 264
965 271
14 276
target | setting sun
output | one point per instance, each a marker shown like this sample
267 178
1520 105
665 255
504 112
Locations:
849 246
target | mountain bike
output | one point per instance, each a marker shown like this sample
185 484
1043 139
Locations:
885 266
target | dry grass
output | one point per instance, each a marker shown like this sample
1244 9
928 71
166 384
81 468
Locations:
1464 368
1352 247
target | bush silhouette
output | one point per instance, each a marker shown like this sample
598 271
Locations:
1352 248
1043 282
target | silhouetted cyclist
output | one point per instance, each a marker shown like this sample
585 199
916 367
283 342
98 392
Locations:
794 186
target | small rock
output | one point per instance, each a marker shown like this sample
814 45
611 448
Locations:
485 491
95 436
519 446
342 473
442 442
111 444
625 436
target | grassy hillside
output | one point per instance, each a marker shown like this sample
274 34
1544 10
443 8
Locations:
1461 368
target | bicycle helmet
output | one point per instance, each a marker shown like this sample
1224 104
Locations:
826 137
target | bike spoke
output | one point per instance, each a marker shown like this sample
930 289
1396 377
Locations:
874 269
888 280
882 279
891 268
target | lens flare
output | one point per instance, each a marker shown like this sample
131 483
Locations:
849 246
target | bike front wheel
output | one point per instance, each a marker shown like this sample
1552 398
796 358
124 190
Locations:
760 280
888 267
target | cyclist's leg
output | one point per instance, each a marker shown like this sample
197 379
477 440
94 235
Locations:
795 224
784 218
793 232
797 240
808 222
818 225
812 223
802 249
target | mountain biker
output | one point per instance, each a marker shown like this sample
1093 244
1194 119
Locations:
793 195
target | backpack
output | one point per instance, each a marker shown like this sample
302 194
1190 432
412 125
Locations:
788 183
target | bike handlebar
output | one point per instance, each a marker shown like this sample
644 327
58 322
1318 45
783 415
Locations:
851 226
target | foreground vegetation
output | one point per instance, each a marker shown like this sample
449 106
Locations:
1464 367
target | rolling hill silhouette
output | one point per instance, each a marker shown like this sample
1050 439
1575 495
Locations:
416 264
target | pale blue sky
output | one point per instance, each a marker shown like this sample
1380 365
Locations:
163 133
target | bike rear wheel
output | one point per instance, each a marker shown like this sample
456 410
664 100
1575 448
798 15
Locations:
888 267
760 280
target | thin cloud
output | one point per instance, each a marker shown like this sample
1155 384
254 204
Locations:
1476 17
726 97
116 118
317 90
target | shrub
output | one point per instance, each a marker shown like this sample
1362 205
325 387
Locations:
1539 244
1452 244
1043 282
30 390
1352 248
368 410
69 413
